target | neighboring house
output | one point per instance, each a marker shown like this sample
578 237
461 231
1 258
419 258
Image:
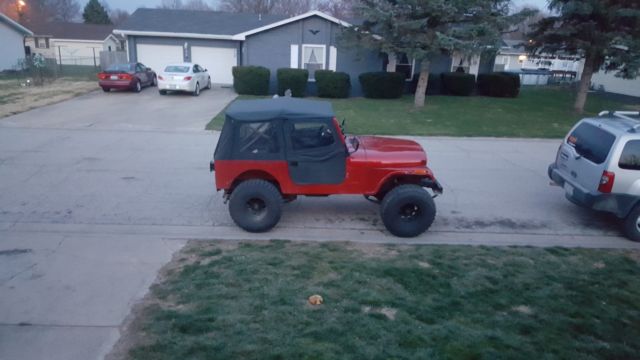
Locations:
513 57
73 43
608 82
218 41
12 39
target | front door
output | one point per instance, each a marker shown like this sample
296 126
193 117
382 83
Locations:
315 154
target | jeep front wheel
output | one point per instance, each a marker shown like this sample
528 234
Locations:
407 210
255 205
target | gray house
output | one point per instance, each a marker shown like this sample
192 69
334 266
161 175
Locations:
219 41
12 39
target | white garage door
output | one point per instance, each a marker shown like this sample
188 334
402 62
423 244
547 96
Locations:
218 61
157 57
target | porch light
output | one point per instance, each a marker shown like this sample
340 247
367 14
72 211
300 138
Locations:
522 58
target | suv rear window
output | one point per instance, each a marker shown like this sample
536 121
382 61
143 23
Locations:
630 158
591 142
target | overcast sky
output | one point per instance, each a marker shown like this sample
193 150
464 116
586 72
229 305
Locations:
131 5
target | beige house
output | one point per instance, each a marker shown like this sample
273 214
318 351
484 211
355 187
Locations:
72 43
513 57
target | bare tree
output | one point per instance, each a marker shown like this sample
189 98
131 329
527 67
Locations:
118 16
196 5
248 6
170 4
63 10
294 7
342 9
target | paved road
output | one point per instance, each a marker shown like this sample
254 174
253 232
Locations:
88 215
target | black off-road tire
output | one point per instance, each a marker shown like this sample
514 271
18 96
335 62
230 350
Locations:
256 205
407 210
631 226
106 89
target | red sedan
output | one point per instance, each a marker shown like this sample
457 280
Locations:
132 76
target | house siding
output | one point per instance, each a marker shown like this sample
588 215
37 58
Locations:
272 49
12 47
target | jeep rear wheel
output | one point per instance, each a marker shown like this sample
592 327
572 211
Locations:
255 205
407 210
631 224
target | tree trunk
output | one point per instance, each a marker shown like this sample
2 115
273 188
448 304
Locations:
421 88
585 82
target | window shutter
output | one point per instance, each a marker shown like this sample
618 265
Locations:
333 58
294 56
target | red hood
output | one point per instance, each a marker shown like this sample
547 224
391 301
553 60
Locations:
392 151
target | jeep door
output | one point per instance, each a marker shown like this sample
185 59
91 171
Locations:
315 154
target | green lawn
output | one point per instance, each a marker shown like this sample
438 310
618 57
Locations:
537 112
222 300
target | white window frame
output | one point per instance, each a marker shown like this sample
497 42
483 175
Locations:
411 62
324 57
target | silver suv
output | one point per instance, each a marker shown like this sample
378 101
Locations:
598 164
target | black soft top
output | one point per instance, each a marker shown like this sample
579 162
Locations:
279 108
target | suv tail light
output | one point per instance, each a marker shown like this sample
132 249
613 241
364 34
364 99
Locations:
606 182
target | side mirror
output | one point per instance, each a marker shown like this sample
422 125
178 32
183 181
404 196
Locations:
205 70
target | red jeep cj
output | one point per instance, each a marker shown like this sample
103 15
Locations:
270 151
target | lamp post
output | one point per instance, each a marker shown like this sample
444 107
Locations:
20 7
521 59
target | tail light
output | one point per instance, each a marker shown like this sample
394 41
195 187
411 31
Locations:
187 78
160 77
102 76
606 182
125 77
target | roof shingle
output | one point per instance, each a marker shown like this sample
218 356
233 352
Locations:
195 22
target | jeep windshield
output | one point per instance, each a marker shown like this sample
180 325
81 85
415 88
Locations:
591 142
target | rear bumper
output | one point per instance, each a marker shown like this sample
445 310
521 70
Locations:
617 204
176 86
116 84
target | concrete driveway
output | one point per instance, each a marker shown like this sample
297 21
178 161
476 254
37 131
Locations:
88 214
147 110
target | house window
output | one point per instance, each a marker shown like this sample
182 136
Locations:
405 66
313 58
42 43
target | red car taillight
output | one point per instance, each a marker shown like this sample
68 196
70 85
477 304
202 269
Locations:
187 78
606 182
124 77
102 76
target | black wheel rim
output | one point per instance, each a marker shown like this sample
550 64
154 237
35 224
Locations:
409 212
256 208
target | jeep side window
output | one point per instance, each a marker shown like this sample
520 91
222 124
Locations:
591 142
630 158
310 135
257 138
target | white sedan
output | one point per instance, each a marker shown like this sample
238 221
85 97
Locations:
184 77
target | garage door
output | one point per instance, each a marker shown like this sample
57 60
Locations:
218 61
157 57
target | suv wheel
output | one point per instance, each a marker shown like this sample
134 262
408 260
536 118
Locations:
255 205
631 224
407 210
